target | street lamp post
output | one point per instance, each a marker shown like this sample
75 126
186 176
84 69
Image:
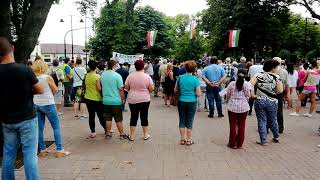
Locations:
64 40
71 30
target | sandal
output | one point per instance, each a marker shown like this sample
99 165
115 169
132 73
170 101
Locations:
182 142
62 153
124 136
189 143
108 136
44 153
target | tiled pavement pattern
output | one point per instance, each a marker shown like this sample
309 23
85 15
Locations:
162 158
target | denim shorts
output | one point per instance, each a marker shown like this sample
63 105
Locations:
186 114
309 92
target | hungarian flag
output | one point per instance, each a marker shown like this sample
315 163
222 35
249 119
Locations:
193 28
152 35
233 38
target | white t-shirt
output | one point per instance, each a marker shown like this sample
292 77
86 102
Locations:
78 74
255 69
293 79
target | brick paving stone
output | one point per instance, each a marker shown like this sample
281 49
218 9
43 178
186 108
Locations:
162 158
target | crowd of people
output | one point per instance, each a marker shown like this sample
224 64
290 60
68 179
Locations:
35 93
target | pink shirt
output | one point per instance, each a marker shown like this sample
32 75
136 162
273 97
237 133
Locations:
239 100
301 76
312 81
138 83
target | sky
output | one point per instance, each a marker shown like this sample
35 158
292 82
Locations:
54 31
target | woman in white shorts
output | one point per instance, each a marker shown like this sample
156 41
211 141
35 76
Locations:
292 81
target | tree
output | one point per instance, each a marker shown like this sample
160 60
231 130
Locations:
262 23
22 21
309 4
87 6
149 19
112 31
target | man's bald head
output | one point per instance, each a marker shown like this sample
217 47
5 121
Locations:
5 47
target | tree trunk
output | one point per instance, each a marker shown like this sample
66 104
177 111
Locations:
31 29
5 19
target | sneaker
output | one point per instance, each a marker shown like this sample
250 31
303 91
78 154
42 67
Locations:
147 137
60 113
220 115
307 115
275 140
294 114
62 153
210 116
92 135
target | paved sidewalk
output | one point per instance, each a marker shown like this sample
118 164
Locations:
161 157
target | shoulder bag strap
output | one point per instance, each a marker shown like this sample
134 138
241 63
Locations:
77 74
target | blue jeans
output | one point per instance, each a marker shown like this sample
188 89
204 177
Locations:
213 95
26 134
51 113
266 111
187 111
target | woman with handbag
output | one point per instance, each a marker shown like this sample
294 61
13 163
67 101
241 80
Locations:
78 75
238 95
269 86
93 98
188 87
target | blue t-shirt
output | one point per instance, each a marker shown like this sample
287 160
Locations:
213 73
181 71
111 83
188 84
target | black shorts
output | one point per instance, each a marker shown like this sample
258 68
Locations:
113 111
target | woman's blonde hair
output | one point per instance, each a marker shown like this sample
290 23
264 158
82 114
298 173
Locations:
169 67
39 66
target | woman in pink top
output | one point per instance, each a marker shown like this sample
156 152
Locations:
310 88
139 85
238 94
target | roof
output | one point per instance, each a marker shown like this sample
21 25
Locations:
59 49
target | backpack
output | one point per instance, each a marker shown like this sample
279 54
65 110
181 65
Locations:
55 77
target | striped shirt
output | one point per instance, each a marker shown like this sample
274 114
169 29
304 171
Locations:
239 100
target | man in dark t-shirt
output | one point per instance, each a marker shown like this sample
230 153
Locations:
124 73
17 113
156 77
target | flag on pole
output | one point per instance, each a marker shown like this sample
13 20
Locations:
193 28
234 38
152 35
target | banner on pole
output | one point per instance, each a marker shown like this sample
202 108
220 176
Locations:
151 37
234 38
122 58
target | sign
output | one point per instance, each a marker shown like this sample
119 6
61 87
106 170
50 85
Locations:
131 59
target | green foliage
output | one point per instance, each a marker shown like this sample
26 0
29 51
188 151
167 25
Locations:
262 24
149 19
187 49
112 32
284 54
